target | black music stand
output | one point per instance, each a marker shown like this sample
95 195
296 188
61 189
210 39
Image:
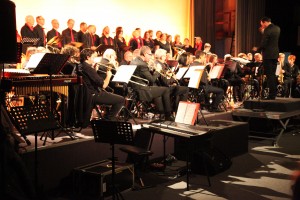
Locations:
113 132
51 64
33 119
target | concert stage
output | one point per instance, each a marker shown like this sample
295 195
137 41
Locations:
60 156
268 119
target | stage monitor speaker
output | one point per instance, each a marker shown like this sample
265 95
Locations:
8 39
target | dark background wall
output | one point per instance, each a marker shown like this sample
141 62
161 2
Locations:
286 14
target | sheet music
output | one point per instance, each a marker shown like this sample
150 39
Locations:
181 72
214 72
181 112
34 60
195 78
189 113
192 70
278 70
124 73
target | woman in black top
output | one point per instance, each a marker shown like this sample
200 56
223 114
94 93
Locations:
120 43
163 44
147 40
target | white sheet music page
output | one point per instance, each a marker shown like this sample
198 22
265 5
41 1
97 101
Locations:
192 70
195 78
124 73
189 113
34 60
213 73
181 112
181 72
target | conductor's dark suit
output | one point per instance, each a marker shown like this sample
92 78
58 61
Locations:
270 52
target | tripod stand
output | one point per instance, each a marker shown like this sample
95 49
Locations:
51 64
113 132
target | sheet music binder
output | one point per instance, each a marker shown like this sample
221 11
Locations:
51 64
187 112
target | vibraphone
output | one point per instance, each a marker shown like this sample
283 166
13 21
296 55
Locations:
29 85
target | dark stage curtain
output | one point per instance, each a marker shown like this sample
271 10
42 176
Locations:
205 21
248 18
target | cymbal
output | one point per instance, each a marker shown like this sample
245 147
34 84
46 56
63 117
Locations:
55 40
76 44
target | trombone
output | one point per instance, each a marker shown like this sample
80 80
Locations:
108 67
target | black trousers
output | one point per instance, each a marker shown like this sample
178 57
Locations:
217 91
106 98
178 93
270 66
161 98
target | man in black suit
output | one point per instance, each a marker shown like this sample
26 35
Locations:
39 31
27 30
69 35
89 39
160 95
83 29
54 32
270 51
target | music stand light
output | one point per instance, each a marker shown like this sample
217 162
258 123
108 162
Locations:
113 132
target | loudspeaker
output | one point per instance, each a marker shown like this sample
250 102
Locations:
212 159
8 38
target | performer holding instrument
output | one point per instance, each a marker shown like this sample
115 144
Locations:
168 79
93 82
160 95
205 83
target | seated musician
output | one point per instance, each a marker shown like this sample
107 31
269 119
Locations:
184 60
160 95
168 79
70 66
205 82
290 73
95 85
109 62
233 73
127 58
257 73
221 83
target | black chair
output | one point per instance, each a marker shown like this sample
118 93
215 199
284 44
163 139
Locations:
138 154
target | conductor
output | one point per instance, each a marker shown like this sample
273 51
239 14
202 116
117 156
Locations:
270 50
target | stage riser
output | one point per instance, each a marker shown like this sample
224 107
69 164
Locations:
56 163
278 105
